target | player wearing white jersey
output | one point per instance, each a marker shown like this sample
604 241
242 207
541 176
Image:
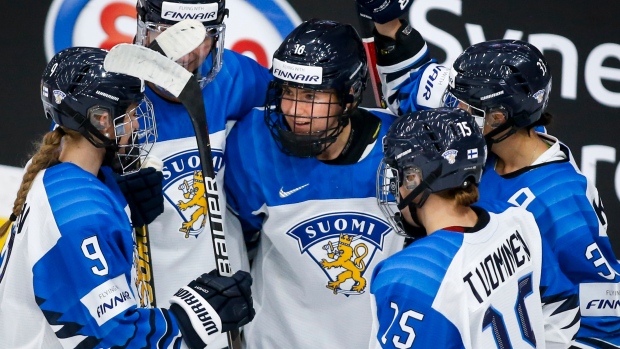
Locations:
479 279
300 175
232 84
506 85
68 275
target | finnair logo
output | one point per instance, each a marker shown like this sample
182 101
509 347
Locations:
178 12
297 73
109 299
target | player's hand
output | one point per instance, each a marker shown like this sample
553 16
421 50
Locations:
211 305
143 191
383 11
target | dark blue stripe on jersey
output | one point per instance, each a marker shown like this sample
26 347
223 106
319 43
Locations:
165 339
67 329
153 327
597 343
567 302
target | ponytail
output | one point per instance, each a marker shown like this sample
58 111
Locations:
46 156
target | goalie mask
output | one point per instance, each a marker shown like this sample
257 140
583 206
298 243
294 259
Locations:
155 16
509 76
427 152
78 94
320 72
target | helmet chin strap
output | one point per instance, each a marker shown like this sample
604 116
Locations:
423 188
508 125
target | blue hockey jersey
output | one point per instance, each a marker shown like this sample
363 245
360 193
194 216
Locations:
68 271
322 233
571 217
497 287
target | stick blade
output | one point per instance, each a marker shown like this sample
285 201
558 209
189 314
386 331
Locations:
182 38
146 64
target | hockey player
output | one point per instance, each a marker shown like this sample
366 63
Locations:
232 84
506 85
300 175
68 270
479 279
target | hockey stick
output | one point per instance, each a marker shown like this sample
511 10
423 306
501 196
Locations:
175 42
151 66
366 27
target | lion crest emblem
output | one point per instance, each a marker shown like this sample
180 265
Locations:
194 191
346 257
342 244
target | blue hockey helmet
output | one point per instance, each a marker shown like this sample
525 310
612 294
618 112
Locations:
320 56
77 92
443 148
508 75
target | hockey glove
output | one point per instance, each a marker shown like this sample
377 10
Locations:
408 44
143 192
211 305
383 11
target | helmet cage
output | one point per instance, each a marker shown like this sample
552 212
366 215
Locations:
135 144
212 64
309 142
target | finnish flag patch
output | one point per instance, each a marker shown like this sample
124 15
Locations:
472 153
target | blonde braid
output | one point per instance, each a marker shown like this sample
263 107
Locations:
46 156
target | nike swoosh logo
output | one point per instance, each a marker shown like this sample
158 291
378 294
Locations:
284 194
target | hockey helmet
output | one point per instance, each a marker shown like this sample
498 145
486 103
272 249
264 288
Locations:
318 56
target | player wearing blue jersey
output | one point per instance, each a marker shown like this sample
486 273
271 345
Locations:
506 85
68 275
479 279
232 84
300 175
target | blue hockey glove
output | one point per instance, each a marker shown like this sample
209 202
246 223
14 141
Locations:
143 191
211 305
383 11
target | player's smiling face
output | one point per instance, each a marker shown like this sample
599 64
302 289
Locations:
308 111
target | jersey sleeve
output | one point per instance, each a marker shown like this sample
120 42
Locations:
560 302
410 79
83 283
240 185
405 315
575 224
246 82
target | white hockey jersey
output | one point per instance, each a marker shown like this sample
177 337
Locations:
68 271
322 234
180 238
496 287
